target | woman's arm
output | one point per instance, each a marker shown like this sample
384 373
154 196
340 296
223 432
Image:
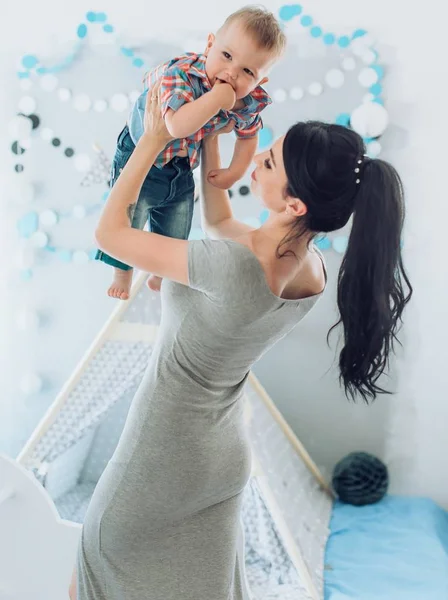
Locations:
216 211
157 254
124 194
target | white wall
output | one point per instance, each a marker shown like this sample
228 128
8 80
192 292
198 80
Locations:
407 429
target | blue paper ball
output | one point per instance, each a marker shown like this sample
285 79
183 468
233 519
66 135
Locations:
29 61
360 478
379 70
28 224
127 51
264 216
344 41
306 20
329 38
289 11
376 89
265 137
323 243
82 31
343 119
359 33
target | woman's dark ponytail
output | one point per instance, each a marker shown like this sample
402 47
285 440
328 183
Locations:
371 295
326 168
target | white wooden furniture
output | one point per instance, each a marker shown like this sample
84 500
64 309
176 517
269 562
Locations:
37 548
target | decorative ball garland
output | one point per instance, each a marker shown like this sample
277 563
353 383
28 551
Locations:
31 62
369 119
27 121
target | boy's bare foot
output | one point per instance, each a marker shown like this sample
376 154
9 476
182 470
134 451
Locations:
121 284
154 283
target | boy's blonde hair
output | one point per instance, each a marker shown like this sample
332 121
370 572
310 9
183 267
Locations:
262 25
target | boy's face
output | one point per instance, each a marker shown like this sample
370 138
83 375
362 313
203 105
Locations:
234 57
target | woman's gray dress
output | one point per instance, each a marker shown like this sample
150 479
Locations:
164 521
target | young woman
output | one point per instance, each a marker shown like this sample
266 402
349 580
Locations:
164 521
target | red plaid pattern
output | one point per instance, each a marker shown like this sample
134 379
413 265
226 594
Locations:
183 79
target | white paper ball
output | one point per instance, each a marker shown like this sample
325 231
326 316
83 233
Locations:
367 77
39 239
368 40
82 103
369 119
25 257
26 144
27 319
20 127
335 78
49 82
373 149
27 105
48 218
79 211
340 244
82 162
26 84
357 47
47 134
279 95
100 106
119 102
360 44
368 57
315 89
296 93
64 94
134 96
349 63
80 257
31 383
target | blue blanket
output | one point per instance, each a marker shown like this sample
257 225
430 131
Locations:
394 550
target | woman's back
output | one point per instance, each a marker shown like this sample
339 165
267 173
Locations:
227 319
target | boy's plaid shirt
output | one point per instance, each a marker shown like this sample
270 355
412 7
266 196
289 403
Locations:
184 79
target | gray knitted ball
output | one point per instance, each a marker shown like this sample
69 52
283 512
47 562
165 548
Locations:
360 479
